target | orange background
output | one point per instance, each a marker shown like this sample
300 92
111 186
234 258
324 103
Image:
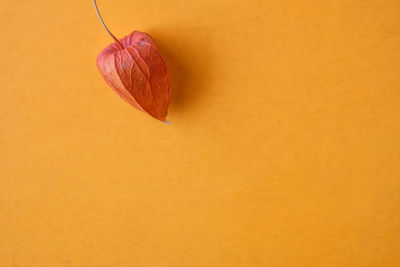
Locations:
283 150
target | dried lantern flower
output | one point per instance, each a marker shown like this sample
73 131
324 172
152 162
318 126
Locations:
135 70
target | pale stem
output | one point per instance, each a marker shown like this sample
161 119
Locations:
105 27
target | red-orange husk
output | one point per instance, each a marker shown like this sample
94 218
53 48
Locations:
137 73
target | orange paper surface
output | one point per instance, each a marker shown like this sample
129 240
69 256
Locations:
283 149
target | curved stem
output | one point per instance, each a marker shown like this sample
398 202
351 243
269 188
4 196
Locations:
105 27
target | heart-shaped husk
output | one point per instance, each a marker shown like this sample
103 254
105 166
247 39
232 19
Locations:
137 73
